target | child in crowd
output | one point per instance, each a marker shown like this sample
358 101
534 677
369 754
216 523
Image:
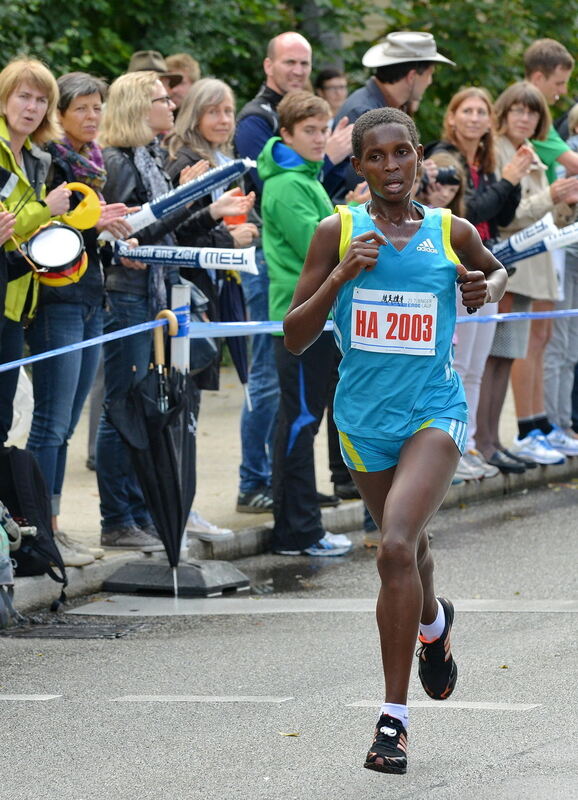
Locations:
293 204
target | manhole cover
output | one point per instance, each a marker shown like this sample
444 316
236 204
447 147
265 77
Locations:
82 631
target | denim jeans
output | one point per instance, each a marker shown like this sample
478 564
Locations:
258 425
561 352
11 348
125 361
61 384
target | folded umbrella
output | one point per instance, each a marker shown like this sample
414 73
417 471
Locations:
157 421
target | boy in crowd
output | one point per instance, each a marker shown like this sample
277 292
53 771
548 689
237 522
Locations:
293 203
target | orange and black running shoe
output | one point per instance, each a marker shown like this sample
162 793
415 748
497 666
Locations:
438 672
388 753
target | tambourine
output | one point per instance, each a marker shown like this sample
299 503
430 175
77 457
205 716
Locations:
87 212
58 254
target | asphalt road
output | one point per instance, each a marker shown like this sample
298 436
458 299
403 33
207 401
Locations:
200 706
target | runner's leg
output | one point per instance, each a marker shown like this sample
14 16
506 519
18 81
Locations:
409 494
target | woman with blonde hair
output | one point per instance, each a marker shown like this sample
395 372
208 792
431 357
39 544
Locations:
137 113
28 119
490 200
204 130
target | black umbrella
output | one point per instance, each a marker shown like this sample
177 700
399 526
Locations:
157 421
232 309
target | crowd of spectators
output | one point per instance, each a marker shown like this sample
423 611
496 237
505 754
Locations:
501 165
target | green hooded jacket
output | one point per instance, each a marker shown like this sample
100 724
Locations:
294 202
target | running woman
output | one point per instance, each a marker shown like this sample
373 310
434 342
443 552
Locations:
388 270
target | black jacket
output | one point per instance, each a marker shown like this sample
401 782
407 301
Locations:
124 184
494 201
90 288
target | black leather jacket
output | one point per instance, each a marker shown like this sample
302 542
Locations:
494 201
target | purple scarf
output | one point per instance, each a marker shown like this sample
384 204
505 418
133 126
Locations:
87 165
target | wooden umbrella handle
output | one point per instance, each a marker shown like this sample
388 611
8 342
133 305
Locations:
158 336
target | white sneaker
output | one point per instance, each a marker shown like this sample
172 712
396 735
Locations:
72 557
537 447
74 544
562 441
475 458
205 530
338 539
468 470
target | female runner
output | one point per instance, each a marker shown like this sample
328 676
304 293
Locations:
388 270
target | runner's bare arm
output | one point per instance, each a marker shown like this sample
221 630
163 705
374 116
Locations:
322 277
481 276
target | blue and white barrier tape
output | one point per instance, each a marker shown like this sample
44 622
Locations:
200 330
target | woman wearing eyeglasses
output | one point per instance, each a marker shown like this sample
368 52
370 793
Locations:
138 112
518 347
491 200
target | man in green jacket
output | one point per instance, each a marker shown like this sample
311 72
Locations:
293 204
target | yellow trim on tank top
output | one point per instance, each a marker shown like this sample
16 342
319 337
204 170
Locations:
346 229
424 425
352 452
447 235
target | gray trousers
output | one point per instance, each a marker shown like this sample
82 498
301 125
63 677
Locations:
562 352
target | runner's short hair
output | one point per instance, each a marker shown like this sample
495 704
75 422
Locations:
299 105
377 117
544 55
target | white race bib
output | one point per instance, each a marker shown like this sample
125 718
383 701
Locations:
384 321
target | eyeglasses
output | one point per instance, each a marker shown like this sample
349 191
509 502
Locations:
522 111
164 99
338 88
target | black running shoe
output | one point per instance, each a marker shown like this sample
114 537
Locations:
388 753
257 501
438 672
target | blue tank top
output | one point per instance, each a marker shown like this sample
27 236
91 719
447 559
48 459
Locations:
394 326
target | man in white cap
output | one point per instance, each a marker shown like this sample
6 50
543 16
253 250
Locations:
404 64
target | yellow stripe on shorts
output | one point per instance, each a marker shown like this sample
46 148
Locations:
354 456
447 235
346 229
424 425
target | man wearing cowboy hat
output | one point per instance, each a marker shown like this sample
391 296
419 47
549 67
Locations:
404 64
152 61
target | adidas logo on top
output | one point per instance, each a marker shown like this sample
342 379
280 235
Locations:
427 246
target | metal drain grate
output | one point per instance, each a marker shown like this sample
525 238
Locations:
78 631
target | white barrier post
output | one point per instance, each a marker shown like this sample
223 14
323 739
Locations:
180 346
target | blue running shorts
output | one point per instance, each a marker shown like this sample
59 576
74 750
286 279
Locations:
373 455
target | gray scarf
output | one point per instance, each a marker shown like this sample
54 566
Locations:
156 183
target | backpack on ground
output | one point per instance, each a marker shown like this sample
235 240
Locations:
8 614
24 492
